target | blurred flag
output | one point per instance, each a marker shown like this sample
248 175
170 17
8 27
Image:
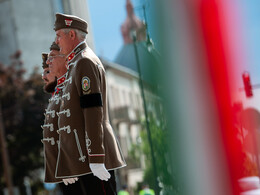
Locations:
198 40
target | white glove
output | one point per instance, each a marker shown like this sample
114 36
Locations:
100 171
70 180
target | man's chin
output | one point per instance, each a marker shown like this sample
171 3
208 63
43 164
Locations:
62 52
50 87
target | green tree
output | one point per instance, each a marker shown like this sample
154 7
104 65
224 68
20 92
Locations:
23 103
159 135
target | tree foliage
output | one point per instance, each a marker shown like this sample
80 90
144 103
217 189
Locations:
23 103
159 137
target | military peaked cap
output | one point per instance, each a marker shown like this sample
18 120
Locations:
54 46
70 21
44 59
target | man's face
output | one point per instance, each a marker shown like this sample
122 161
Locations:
56 62
49 80
64 42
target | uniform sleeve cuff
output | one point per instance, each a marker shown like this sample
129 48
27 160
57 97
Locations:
96 158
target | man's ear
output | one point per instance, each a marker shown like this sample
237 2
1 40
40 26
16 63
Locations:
72 34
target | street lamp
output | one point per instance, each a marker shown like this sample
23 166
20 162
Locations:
133 33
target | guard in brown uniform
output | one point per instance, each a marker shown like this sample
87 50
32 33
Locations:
88 146
49 79
50 126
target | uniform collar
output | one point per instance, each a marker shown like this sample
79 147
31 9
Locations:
61 79
59 86
78 49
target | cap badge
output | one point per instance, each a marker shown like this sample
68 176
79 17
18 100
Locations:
68 22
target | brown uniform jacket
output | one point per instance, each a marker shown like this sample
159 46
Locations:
50 137
86 135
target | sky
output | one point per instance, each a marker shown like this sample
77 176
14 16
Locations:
106 18
251 23
250 30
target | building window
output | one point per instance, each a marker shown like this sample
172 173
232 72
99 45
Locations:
117 98
121 97
138 101
110 96
132 101
126 98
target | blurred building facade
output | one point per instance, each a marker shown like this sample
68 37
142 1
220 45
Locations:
125 107
126 113
27 25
